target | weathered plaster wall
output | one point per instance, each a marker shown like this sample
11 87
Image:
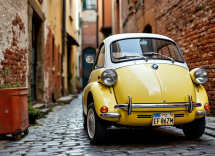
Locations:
52 29
14 39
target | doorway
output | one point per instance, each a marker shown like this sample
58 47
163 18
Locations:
34 60
147 29
87 68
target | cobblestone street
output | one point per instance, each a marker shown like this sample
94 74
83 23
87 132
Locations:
61 133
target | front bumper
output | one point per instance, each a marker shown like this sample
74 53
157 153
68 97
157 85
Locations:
142 114
203 112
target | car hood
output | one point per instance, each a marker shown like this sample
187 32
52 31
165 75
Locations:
168 84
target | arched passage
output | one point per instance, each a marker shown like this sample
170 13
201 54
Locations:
147 29
86 66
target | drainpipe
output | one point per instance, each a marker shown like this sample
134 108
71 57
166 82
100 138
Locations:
63 43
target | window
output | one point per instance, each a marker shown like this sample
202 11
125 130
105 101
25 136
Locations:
89 4
101 58
134 49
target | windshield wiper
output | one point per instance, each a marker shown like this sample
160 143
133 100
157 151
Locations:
150 53
127 56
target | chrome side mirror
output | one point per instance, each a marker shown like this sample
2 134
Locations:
89 59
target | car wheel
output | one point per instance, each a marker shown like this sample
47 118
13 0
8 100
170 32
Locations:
96 129
194 129
84 121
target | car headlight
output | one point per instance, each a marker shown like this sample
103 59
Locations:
109 77
199 75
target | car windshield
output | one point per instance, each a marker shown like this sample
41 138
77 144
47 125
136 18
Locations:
144 48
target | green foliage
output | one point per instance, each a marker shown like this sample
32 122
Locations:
6 71
8 85
29 100
18 85
70 76
33 112
78 78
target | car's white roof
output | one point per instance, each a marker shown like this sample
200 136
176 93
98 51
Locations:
135 35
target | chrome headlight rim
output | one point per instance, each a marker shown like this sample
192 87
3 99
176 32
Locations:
102 77
195 76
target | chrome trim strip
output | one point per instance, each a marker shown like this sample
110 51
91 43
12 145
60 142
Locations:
190 108
110 115
158 105
129 104
203 112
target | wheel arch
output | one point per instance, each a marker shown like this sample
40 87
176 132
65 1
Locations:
89 98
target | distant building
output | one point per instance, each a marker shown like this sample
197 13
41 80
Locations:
89 37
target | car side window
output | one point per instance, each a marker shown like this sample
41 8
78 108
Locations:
101 58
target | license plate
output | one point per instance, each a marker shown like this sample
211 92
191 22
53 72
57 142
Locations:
162 119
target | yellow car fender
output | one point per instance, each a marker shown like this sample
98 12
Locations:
102 96
201 97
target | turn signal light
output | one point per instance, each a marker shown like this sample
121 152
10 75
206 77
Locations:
207 106
104 109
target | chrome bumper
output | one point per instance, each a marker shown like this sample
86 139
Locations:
158 105
130 105
110 115
203 112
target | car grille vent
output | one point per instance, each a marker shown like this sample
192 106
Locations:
144 116
179 115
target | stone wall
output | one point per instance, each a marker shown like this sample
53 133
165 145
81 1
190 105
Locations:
191 23
14 39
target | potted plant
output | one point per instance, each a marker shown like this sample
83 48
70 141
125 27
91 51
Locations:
33 113
14 107
78 85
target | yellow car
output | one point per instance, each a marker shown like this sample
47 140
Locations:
143 80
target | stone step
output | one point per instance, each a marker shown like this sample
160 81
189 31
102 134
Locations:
65 99
73 95
39 106
44 111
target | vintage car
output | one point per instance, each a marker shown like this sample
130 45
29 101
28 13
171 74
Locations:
142 79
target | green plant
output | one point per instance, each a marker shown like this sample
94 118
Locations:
78 78
30 100
69 76
34 112
5 75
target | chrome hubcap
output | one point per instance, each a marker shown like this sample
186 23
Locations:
91 123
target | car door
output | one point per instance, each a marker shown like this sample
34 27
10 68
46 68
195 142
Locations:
98 65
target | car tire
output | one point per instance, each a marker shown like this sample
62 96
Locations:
194 129
96 129
84 121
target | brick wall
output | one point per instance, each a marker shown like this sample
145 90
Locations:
89 34
191 23
14 39
52 73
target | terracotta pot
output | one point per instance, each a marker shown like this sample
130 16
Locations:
79 90
13 110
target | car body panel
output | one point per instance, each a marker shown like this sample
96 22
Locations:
132 120
168 84
102 96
